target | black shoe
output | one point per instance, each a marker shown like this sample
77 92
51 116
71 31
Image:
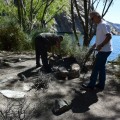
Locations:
84 86
38 65
99 87
46 70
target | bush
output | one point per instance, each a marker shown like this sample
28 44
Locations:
67 45
70 47
12 37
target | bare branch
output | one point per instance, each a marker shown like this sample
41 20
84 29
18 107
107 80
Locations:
104 12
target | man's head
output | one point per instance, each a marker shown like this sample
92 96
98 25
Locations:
95 17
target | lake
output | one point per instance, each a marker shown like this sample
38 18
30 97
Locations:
116 47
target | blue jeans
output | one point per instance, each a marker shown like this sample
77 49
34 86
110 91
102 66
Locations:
99 69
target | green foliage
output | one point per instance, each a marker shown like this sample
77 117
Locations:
66 45
31 13
117 73
80 53
118 60
12 38
8 9
69 46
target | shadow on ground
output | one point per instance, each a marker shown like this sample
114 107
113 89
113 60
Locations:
82 101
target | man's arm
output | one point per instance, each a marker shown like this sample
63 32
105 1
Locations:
107 39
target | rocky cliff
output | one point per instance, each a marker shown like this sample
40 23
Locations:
63 22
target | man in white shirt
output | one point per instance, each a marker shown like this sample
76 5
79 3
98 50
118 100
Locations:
104 48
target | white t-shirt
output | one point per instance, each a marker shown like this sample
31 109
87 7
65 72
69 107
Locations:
102 29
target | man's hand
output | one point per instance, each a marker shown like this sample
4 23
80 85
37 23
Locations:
99 47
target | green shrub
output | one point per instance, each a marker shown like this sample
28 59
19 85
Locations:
67 46
80 53
70 47
12 37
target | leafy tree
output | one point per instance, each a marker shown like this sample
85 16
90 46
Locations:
38 13
33 13
7 9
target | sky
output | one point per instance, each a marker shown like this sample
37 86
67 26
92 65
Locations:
113 14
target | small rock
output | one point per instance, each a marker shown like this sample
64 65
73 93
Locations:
62 72
19 60
13 94
60 106
74 71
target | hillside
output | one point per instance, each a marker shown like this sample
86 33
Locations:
116 28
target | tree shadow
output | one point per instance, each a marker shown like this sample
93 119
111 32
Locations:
82 101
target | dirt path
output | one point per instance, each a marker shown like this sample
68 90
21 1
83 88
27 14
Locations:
86 105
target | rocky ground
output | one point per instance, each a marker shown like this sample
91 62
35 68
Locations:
25 96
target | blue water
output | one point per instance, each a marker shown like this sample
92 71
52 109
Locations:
116 47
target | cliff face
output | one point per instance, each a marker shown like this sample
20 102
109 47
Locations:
115 28
63 22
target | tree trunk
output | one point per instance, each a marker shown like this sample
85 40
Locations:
73 20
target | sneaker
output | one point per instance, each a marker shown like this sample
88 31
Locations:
84 86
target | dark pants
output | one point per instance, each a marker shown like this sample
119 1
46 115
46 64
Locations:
99 69
41 51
